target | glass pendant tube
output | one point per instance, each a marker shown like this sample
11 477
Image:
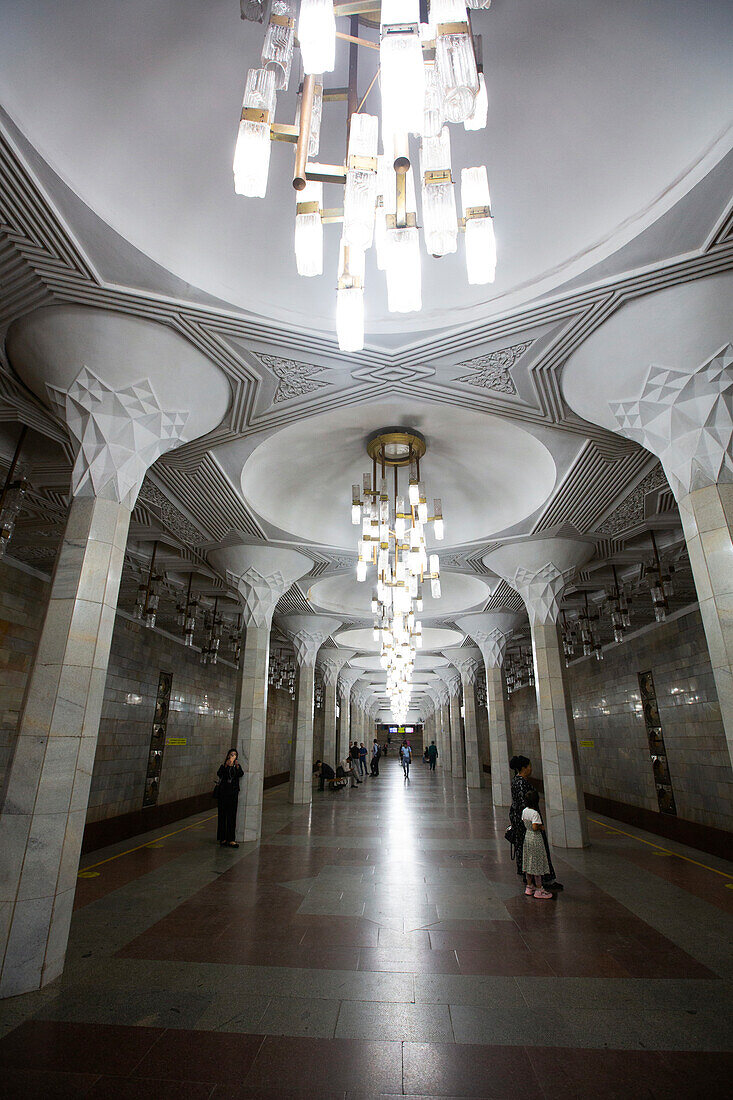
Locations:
360 195
440 220
317 35
252 152
402 74
433 108
277 49
455 62
386 191
309 230
350 299
480 240
479 116
404 270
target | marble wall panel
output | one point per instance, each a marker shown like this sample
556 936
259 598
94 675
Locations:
23 597
607 711
202 703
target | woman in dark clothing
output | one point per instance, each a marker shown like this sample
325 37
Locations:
229 775
522 769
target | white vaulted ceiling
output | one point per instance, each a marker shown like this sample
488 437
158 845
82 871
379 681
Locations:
606 149
601 117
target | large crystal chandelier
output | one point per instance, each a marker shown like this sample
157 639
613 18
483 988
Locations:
430 76
394 521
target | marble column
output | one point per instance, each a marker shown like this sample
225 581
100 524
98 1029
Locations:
452 681
307 634
330 663
491 631
345 685
261 574
101 373
659 371
467 659
686 419
539 570
445 728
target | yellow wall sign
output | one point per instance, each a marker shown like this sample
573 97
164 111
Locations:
175 741
587 744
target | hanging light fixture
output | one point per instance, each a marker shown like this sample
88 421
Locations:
148 594
235 641
431 75
660 585
210 647
12 495
187 614
394 523
568 640
619 607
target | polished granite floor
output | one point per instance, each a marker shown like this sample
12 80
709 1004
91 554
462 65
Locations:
375 945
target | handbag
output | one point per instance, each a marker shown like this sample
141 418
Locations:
217 788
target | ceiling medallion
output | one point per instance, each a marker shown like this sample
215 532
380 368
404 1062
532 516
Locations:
393 531
430 75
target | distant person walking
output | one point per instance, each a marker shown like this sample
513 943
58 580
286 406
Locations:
376 753
432 755
228 776
405 758
362 759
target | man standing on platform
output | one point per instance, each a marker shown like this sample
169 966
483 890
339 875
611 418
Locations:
432 755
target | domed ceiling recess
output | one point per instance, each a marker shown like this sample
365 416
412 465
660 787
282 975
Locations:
136 106
300 478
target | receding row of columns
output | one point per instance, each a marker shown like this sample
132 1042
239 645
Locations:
117 381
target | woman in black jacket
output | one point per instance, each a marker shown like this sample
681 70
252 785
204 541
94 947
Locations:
229 775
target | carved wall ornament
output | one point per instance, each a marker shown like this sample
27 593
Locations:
294 379
171 517
685 418
493 371
631 509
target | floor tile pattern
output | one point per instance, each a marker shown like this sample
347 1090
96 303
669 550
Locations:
377 944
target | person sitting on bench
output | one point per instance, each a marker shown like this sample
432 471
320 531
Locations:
325 772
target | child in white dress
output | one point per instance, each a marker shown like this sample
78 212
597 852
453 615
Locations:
534 857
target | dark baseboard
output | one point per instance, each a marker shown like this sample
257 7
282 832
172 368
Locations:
112 830
706 838
276 780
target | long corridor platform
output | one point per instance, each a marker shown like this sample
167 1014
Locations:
377 944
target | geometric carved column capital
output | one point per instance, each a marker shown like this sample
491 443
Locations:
539 568
308 633
493 646
452 679
490 631
346 679
261 574
117 434
541 591
685 418
330 663
467 660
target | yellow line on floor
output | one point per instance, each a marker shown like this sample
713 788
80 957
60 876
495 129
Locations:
147 844
661 849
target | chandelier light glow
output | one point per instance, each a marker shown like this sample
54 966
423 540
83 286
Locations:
394 521
430 76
